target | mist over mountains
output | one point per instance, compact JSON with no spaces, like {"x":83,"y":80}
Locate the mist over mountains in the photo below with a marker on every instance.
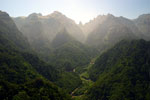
{"x":103,"y":30}
{"x":53,"y":58}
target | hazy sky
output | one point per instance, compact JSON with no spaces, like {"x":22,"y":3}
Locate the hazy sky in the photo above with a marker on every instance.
{"x":78,"y":10}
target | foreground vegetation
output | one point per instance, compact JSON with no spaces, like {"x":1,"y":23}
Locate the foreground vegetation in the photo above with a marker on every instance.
{"x":122,"y":73}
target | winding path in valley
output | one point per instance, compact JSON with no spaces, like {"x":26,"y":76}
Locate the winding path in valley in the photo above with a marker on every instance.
{"x":82,"y":78}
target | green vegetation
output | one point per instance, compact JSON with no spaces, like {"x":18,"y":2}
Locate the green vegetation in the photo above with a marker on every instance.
{"x":69,"y":81}
{"x":10,"y":36}
{"x":37,"y":89}
{"x":79,"y":92}
{"x":122,"y":73}
{"x":20,"y":68}
{"x":69,"y":53}
{"x":13,"y":68}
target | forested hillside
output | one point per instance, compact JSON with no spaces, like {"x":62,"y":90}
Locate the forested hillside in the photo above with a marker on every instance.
{"x":69,"y":53}
{"x":122,"y":72}
{"x":20,"y":65}
{"x":37,"y":89}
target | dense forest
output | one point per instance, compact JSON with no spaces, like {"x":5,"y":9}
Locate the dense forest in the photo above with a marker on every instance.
{"x":53,"y":58}
{"x":122,"y":73}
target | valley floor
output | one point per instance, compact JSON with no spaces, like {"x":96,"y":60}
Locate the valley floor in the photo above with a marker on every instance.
{"x":79,"y":92}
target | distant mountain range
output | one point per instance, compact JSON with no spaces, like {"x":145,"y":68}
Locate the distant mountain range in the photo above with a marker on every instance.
{"x":101,"y":32}
{"x":107,"y":30}
{"x":47,"y":26}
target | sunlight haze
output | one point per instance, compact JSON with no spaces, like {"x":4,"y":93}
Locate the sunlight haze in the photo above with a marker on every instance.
{"x":79,"y":10}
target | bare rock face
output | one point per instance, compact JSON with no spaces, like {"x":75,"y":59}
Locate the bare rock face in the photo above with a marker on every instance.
{"x":106,"y":30}
{"x":143,"y":24}
{"x":43,"y":29}
{"x":109,"y":31}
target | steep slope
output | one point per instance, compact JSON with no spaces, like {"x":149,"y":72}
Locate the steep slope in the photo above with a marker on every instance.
{"x":67,"y":23}
{"x":61,"y":38}
{"x":11,"y":42}
{"x":110,"y":31}
{"x":122,"y":73}
{"x":19,"y":65}
{"x":37,"y":89}
{"x":99,"y":20}
{"x":32,"y":28}
{"x":69,"y":53}
{"x":143,"y":24}
{"x":10,"y":36}
{"x":89,"y":27}
{"x":131,"y":25}
{"x":41,"y":30}
{"x":47,"y":26}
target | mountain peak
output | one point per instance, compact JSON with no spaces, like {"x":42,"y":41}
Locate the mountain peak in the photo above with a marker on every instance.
{"x":56,"y":14}
{"x":64,"y":34}
{"x":34,"y":15}
{"x":110,"y":16}
{"x":144,"y":16}
{"x":3,"y":15}
{"x":61,"y":38}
